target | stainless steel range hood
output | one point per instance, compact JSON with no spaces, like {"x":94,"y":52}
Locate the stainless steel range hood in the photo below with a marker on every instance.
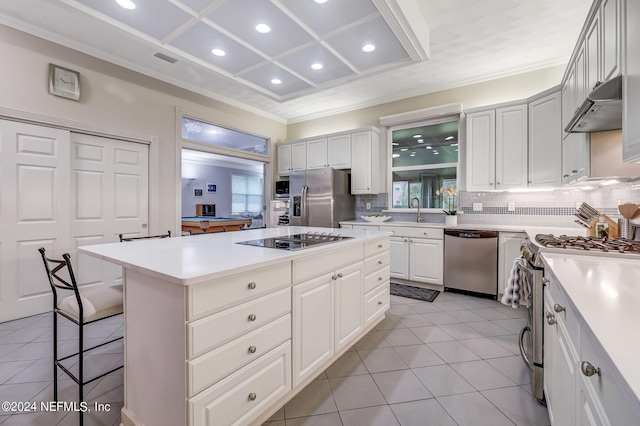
{"x":602,"y":110}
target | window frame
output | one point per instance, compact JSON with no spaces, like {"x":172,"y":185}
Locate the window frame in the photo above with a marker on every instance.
{"x":425,"y":121}
{"x":262,"y":195}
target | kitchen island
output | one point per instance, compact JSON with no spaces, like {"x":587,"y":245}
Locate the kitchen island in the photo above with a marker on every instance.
{"x":223,"y":333}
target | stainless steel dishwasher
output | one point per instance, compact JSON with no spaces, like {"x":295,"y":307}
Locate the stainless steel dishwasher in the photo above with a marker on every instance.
{"x":471,"y":261}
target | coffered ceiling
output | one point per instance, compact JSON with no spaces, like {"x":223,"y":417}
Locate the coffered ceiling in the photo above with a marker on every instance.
{"x":312,"y":61}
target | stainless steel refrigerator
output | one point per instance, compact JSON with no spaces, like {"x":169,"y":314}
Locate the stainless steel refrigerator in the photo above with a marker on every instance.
{"x":320,"y":197}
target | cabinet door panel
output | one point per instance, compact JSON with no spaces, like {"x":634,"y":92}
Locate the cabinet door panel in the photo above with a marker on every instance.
{"x":545,"y":142}
{"x":299,"y":156}
{"x":481,"y":148}
{"x":399,"y":257}
{"x":511,"y":147}
{"x":284,"y":159}
{"x":317,"y":153}
{"x":426,"y":260}
{"x":610,"y":39}
{"x":313,"y":325}
{"x":339,"y":152}
{"x":348,"y":305}
{"x":593,"y":52}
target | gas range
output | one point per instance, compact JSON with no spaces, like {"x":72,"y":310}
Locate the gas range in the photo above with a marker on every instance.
{"x":296,"y":241}
{"x":592,"y":245}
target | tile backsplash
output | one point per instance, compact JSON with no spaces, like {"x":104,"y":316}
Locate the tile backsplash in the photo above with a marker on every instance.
{"x":552,"y":208}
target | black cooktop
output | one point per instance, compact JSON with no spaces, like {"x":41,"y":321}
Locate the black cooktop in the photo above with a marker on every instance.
{"x":296,"y":241}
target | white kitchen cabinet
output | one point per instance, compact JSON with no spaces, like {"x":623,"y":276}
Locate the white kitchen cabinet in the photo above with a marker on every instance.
{"x":426,"y":263}
{"x":497,"y":149}
{"x":316,"y":153}
{"x":545,"y":142}
{"x":509,"y":244}
{"x":348,"y":289}
{"x":631,"y":82}
{"x":560,"y":360}
{"x":568,"y":94}
{"x":339,"y":151}
{"x":400,"y":257}
{"x":593,"y":52}
{"x":481,"y":149}
{"x":284,"y":159}
{"x":417,"y":254}
{"x":576,"y":157}
{"x":611,"y":36}
{"x":366,"y":171}
{"x":313,"y":326}
{"x":298,"y":156}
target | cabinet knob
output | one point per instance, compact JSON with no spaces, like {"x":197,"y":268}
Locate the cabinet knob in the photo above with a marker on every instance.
{"x":574,"y":171}
{"x":497,"y":183}
{"x":340,"y":275}
{"x":379,"y":245}
{"x":252,"y":396}
{"x":379,"y":302}
{"x":334,"y":277}
{"x":550,"y":318}
{"x":565,"y":176}
{"x":252,"y":349}
{"x":558,"y":308}
{"x":379,"y":262}
{"x":545,"y":280}
{"x":252,"y":317}
{"x":588,"y":369}
{"x":379,"y":278}
{"x":252,"y":285}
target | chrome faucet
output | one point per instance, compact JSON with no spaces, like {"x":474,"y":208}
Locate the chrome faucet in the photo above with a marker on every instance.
{"x":418,"y":219}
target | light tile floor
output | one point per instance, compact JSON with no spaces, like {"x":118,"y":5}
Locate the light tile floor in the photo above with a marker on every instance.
{"x":454,"y":361}
{"x":26,"y":357}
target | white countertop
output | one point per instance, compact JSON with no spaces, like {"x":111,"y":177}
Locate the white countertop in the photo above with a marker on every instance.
{"x":606,"y":292}
{"x":193,"y":259}
{"x":532,"y":231}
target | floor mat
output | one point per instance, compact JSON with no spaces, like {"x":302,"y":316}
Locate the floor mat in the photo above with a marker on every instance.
{"x":419,"y":293}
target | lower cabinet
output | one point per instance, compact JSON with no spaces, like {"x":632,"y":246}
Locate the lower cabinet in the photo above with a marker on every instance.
{"x":508,"y":250}
{"x":417,"y":254}
{"x":582,"y":385}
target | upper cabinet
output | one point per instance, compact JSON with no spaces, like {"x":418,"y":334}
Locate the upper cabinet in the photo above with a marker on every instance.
{"x":497,"y":149}
{"x":545,"y":142}
{"x":631,"y":83}
{"x":358,"y":150}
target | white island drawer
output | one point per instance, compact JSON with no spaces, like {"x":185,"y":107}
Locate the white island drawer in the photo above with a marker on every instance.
{"x":376,"y":302}
{"x":417,"y":232}
{"x":212,"y":331}
{"x":376,"y":262}
{"x":213,"y":366}
{"x":374,"y":247}
{"x":218,"y":294}
{"x":373,"y":280}
{"x":243,"y":396}
{"x":315,"y":265}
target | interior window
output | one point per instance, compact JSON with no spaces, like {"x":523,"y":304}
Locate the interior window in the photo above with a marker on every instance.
{"x":200,"y":131}
{"x":424,"y":159}
{"x":246,"y":195}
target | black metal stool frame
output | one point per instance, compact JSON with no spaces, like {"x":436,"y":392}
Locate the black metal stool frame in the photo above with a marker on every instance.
{"x":57,"y":363}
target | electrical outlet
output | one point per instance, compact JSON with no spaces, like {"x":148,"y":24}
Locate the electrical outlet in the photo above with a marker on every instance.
{"x":368,"y":206}
{"x":477,"y":207}
{"x":511,"y":207}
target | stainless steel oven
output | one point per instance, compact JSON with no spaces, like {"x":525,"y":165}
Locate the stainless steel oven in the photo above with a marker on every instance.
{"x":532,"y":334}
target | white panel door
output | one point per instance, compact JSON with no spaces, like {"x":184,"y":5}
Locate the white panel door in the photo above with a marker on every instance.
{"x":481,"y":150}
{"x":34,"y":212}
{"x":317,"y":153}
{"x":110,"y":185}
{"x":511,"y":147}
{"x":426,"y":260}
{"x":348,"y":304}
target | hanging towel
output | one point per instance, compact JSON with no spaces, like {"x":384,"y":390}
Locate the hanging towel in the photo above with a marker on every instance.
{"x":518,"y":291}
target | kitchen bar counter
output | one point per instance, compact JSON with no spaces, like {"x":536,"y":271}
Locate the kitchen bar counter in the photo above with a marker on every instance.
{"x":197,"y":258}
{"x":606,"y":294}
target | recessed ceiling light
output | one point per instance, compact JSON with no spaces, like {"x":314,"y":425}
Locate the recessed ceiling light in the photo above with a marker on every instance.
{"x":454,"y":144}
{"x":417,"y":136}
{"x":218,"y":52}
{"x":396,"y":155}
{"x":316,"y":66}
{"x":404,"y":149}
{"x":448,"y":138}
{"x":263,"y":28}
{"x":436,"y":153}
{"x":428,"y":147}
{"x":420,"y":140}
{"x":276,"y":81}
{"x":127,"y":4}
{"x":321,"y":1}
{"x":368,"y":48}
{"x":395,"y":144}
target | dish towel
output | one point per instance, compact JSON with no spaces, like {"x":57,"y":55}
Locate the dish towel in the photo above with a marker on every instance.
{"x":518,"y":291}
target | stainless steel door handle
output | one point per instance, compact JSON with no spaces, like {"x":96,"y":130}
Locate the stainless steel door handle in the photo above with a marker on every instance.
{"x":523,"y":354}
{"x":588,"y":369}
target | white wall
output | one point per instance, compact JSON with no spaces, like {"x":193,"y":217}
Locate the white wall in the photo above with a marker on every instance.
{"x":116,"y":99}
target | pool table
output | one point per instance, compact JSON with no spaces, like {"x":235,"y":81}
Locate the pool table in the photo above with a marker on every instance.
{"x":216,"y":224}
